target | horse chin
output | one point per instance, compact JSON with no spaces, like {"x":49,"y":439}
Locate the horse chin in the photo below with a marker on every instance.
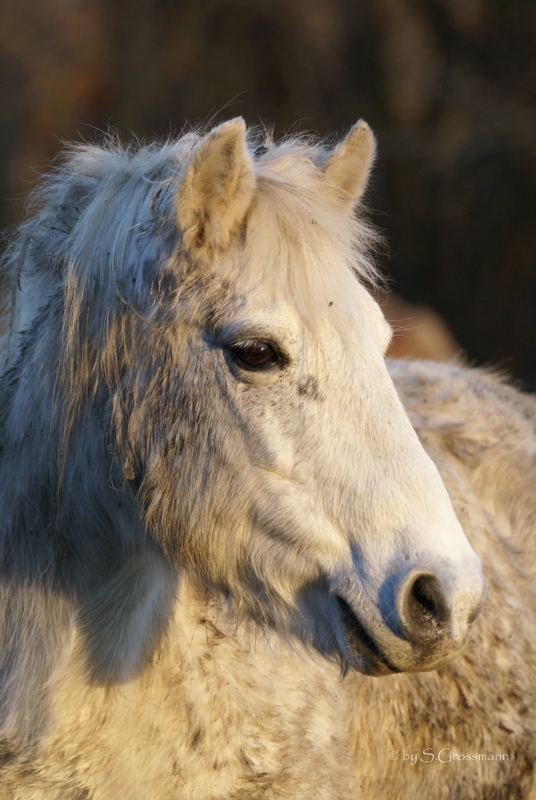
{"x":369,"y":665}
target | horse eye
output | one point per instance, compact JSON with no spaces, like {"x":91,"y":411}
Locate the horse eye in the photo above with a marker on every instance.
{"x":254,"y":354}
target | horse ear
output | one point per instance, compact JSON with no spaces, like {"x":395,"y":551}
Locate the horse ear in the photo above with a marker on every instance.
{"x":348,"y":167}
{"x":217,"y":189}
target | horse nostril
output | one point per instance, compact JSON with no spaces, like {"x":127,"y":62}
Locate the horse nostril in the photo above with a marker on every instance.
{"x":432,"y":608}
{"x":426,"y":608}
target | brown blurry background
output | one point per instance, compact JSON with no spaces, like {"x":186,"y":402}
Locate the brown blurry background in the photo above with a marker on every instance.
{"x":448,"y":86}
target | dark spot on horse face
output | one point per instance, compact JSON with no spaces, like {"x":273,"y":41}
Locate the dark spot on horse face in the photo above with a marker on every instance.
{"x":242,"y":233}
{"x":165,"y":284}
{"x":330,"y":303}
{"x":6,"y":753}
{"x":156,"y":197}
{"x":308,"y":388}
{"x":149,"y":271}
{"x":229,"y":160}
{"x":196,"y":738}
{"x":82,"y":794}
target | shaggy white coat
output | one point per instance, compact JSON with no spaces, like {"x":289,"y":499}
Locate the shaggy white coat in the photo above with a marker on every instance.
{"x":176,"y":529}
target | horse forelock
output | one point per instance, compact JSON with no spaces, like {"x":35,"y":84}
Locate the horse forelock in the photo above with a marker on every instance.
{"x":107,"y":213}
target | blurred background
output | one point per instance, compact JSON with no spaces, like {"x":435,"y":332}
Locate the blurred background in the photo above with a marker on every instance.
{"x":447,"y":85}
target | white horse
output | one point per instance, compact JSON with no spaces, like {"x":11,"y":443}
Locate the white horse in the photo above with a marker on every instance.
{"x":210,"y":489}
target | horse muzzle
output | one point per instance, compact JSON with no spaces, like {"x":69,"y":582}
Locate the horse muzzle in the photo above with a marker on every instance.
{"x":421,"y":620}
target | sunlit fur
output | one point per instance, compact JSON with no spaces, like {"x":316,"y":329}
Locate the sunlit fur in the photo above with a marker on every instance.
{"x":174,"y":530}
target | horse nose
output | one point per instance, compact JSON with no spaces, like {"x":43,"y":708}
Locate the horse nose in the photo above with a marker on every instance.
{"x":435,"y":607}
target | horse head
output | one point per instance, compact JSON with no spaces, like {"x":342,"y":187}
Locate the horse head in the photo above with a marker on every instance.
{"x":198,"y":338}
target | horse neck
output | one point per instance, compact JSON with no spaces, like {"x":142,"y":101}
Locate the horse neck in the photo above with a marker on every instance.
{"x":74,"y":565}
